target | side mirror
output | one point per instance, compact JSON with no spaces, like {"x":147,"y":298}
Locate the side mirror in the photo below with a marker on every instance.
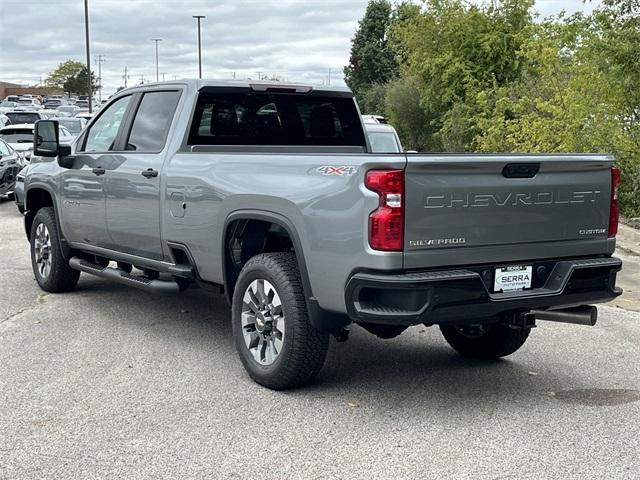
{"x":46,"y":142}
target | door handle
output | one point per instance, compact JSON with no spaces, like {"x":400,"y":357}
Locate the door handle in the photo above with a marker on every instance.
{"x":149,"y":173}
{"x":99,"y":171}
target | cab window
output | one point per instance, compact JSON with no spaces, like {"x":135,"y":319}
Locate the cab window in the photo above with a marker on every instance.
{"x":102,"y":135}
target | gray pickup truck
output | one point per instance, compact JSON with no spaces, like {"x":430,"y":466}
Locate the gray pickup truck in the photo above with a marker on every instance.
{"x":270,"y":193}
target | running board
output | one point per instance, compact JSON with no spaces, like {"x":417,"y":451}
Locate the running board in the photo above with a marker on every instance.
{"x":120,"y":276}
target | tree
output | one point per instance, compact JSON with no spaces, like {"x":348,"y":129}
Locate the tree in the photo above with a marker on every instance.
{"x":372,"y":100}
{"x":484,"y":76}
{"x":456,"y":49}
{"x":406,"y":114}
{"x":372,"y":60}
{"x":71,"y":76}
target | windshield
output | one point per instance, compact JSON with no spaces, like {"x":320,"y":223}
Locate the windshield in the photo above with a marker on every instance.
{"x":25,"y":101}
{"x":23,"y":117}
{"x":4,"y":148}
{"x":383,"y":142}
{"x":67,"y":108}
{"x":17,"y":136}
{"x":8,"y":104}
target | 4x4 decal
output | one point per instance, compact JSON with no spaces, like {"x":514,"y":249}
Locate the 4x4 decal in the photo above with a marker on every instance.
{"x":340,"y":170}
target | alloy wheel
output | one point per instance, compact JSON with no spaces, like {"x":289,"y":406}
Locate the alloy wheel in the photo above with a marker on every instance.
{"x":42,"y":249}
{"x":263,"y":322}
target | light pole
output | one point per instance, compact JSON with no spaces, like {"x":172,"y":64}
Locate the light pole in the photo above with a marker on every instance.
{"x":157,"y":74}
{"x":86,"y":31}
{"x":199,"y":17}
{"x":100,"y":60}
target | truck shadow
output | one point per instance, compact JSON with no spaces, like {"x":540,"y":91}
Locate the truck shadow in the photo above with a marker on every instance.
{"x":416,"y":369}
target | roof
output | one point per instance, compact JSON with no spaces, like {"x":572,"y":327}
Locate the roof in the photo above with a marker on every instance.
{"x":198,"y":84}
{"x":19,"y":126}
{"x":379,"y":127}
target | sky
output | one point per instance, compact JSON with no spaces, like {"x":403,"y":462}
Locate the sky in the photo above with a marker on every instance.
{"x":294,"y":40}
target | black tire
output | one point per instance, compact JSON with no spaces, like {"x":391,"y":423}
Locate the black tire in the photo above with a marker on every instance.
{"x":61,"y":277}
{"x":21,"y":209}
{"x":11,"y":196}
{"x":304,"y":348}
{"x":495,"y":341}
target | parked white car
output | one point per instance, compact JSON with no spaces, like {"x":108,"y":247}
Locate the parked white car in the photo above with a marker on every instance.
{"x":20,"y":138}
{"x":19,"y":117}
{"x":74,"y":125}
{"x":7,"y":106}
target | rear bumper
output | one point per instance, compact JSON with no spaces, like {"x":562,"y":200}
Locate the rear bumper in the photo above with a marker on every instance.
{"x":463,"y":294}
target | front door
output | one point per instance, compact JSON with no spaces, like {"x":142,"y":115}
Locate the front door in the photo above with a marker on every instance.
{"x":83,"y":186}
{"x":133,"y":188}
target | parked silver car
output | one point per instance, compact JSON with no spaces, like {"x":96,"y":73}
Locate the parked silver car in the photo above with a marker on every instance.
{"x":383,"y":138}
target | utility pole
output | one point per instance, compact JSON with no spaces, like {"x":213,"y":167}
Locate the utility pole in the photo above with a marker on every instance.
{"x":199,"y":17}
{"x":100,"y":60}
{"x":126,"y":77}
{"x":142,"y":79}
{"x":86,"y":31}
{"x":163,"y":74}
{"x":329,"y":77}
{"x":157,"y":74}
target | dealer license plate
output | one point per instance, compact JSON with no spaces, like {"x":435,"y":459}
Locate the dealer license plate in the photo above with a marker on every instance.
{"x":512,"y":278}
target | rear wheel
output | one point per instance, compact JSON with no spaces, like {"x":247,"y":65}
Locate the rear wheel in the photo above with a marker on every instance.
{"x":277,"y":345}
{"x":485,"y":341}
{"x":50,"y":268}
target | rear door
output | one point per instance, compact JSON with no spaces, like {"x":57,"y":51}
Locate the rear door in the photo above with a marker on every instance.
{"x":133,"y":186}
{"x":471,"y":209}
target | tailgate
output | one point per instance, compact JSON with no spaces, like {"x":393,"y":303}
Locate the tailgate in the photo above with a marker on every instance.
{"x":465,"y":209}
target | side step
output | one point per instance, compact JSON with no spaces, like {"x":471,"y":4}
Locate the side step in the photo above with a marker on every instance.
{"x":120,"y":276}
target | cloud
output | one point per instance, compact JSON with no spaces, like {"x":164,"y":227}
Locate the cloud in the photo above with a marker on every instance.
{"x":297,"y":40}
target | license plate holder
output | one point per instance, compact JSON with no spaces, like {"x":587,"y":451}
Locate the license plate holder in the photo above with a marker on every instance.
{"x":512,"y":278}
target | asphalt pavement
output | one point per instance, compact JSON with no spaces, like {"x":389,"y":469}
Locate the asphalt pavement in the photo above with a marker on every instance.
{"x":113,"y":383}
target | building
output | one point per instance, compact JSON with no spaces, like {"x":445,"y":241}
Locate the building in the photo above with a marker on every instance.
{"x":7,"y":88}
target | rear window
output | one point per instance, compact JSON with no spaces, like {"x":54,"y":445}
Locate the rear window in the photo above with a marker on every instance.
{"x":11,"y":135}
{"x":22,"y":117}
{"x":383,"y":142}
{"x":73,"y":126}
{"x":275,"y":119}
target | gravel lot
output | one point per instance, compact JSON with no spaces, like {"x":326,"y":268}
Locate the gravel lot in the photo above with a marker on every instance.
{"x":109,"y":382}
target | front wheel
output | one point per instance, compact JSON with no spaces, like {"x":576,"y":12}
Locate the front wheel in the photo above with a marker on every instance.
{"x":485,"y":341}
{"x":50,"y":268}
{"x":277,"y":345}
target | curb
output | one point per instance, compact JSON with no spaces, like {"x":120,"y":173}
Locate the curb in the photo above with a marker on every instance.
{"x":629,"y":238}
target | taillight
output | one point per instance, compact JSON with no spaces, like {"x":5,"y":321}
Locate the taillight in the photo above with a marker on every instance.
{"x":614,"y":212}
{"x":386,"y":223}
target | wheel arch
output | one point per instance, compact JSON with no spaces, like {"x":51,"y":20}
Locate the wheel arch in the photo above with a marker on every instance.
{"x":320,"y":318}
{"x":36,"y":197}
{"x":270,"y":217}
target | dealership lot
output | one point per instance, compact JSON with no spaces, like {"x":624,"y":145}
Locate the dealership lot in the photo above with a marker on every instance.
{"x":108,"y":382}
